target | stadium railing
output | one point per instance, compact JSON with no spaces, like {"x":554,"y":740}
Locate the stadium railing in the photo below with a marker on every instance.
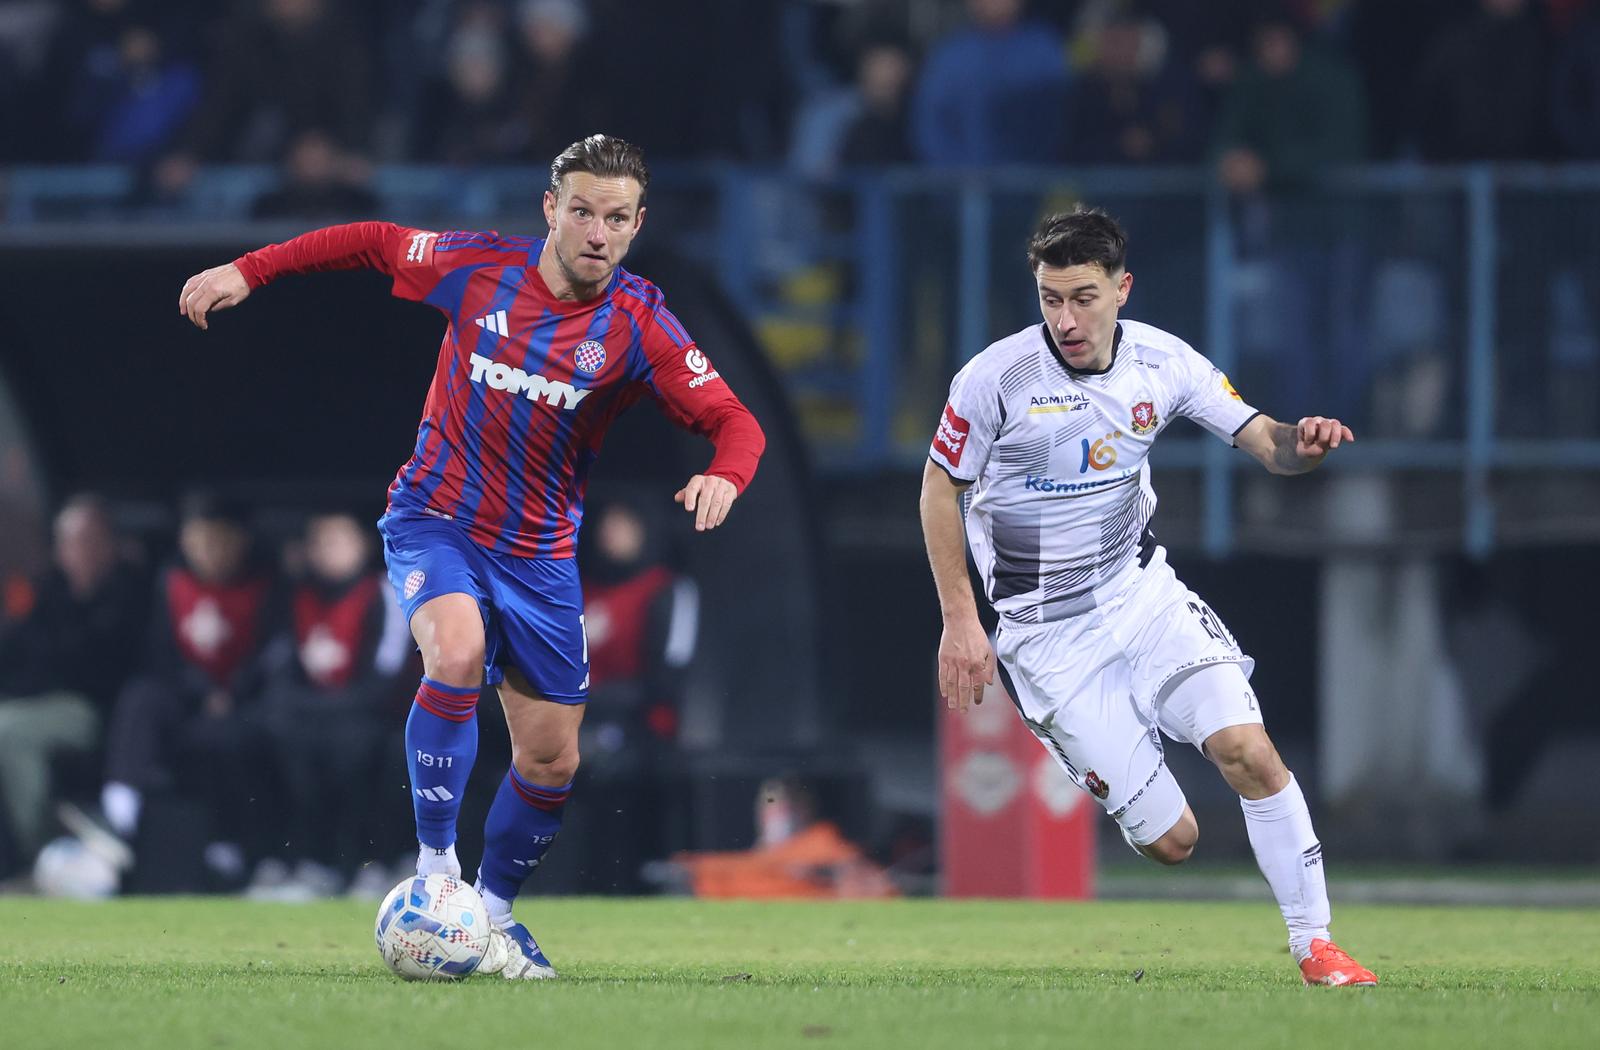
{"x":1449,"y":313}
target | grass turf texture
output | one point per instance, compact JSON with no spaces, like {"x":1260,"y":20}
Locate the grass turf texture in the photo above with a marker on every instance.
{"x":678,"y":973}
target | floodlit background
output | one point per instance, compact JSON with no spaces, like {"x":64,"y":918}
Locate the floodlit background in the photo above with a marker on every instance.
{"x":1386,"y":212}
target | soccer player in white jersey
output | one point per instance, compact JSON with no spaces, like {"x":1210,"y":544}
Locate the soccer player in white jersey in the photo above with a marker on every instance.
{"x":1102,"y":648}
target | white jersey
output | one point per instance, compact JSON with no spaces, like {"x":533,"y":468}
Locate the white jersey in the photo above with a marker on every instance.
{"x":1061,"y":500}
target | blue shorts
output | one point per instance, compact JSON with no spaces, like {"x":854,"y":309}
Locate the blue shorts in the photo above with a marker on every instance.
{"x":532,"y":607}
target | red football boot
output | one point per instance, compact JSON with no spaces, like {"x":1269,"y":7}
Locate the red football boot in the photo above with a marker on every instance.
{"x":1331,"y":965}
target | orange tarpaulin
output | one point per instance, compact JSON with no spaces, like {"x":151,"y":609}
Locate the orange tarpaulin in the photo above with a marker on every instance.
{"x":816,"y":862}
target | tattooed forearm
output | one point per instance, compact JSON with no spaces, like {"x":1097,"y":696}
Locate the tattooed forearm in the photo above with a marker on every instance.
{"x":1288,"y":461}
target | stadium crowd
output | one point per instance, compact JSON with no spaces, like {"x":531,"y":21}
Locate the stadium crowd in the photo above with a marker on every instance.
{"x":1265,"y":89}
{"x":224,"y":717}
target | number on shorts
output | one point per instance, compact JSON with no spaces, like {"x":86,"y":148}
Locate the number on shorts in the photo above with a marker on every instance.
{"x":1213,"y":625}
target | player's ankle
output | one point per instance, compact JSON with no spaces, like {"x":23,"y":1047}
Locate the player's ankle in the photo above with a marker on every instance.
{"x":434,"y":861}
{"x":1300,"y":942}
{"x":498,"y":907}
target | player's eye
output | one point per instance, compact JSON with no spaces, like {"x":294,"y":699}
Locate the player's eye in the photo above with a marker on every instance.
{"x":1084,"y":302}
{"x":582,"y":213}
{"x":618,"y":220}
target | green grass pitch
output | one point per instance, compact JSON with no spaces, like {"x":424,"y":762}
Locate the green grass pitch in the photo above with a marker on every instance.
{"x":219,"y":973}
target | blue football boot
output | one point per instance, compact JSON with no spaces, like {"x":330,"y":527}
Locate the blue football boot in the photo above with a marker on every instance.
{"x":515,"y":955}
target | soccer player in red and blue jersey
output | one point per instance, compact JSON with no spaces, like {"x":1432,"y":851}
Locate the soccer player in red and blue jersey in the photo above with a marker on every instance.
{"x":548,"y":341}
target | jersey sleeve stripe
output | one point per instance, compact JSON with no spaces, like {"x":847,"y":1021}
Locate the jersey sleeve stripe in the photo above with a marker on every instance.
{"x":670,"y":323}
{"x":456,"y":239}
{"x":953,"y":475}
{"x":1246,"y":423}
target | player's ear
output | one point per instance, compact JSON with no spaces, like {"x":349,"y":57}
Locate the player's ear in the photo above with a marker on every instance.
{"x":1124,"y":286}
{"x":550,"y":209}
{"x":638,"y":220}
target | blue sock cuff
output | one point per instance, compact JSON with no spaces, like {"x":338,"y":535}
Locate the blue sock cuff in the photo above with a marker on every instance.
{"x":539,"y":789}
{"x":451,"y":690}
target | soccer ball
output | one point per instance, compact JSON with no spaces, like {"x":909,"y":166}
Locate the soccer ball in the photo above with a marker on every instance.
{"x":433,"y":928}
{"x":68,"y":867}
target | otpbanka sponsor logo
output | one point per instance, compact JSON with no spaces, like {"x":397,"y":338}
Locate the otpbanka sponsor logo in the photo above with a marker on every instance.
{"x":533,"y":386}
{"x":697,"y":363}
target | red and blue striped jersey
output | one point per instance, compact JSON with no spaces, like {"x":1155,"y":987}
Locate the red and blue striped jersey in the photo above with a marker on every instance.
{"x":526,"y":383}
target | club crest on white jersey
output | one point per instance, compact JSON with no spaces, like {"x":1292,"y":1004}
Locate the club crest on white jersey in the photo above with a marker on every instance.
{"x":1061,"y":497}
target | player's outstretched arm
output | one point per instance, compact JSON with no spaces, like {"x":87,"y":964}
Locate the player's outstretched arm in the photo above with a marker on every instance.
{"x":966,"y":660}
{"x":218,"y":288}
{"x":709,"y":498}
{"x":1285,"y":448}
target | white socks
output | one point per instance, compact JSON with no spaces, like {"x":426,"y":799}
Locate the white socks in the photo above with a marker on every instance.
{"x":1289,"y":855}
{"x":498,"y":907}
{"x":121,"y":804}
{"x":432,"y":861}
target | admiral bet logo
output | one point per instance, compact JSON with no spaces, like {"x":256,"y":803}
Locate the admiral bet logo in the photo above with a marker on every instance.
{"x":533,"y":386}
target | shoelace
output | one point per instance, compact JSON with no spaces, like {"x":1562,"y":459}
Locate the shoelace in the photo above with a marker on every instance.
{"x":1332,"y":953}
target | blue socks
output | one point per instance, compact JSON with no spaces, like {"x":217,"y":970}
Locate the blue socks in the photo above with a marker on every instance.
{"x":441,"y":743}
{"x":523,"y":821}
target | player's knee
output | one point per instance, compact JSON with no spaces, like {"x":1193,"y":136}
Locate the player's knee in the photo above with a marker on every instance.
{"x":548,"y":770}
{"x":1177,"y":845}
{"x":456,"y":661}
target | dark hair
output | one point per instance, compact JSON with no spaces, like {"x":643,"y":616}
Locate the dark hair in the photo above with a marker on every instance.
{"x":1078,"y":238}
{"x":601,"y":155}
{"x":211,"y":505}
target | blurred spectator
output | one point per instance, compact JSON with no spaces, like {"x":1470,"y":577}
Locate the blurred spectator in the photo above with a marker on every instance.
{"x":985,"y":91}
{"x":641,"y":620}
{"x":131,"y":97}
{"x":330,"y":707}
{"x":1576,"y":92}
{"x":865,"y":123}
{"x":556,"y":101}
{"x":1482,"y":91}
{"x":1290,"y":114}
{"x":185,"y":723}
{"x":61,"y":665}
{"x":465,"y":114}
{"x":1133,"y":107}
{"x":796,"y":855}
{"x":1385,"y":40}
{"x":42,"y":45}
{"x":318,"y":183}
{"x":879,"y":132}
{"x":282,"y":68}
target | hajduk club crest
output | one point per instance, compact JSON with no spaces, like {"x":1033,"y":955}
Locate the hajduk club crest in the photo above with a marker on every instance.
{"x":1144,"y":417}
{"x":589,"y":357}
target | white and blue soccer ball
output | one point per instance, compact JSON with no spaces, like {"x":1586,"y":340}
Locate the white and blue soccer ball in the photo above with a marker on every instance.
{"x":70,"y":867}
{"x":433,"y":928}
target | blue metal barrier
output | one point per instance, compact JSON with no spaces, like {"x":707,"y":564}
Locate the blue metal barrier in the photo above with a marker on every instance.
{"x":887,"y":241}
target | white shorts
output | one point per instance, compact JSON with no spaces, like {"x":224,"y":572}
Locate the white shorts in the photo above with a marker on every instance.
{"x":1098,"y":690}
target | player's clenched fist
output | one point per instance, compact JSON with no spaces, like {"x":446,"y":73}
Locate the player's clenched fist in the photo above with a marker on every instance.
{"x":1315,"y":435}
{"x":709,"y":497}
{"x":215,"y":289}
